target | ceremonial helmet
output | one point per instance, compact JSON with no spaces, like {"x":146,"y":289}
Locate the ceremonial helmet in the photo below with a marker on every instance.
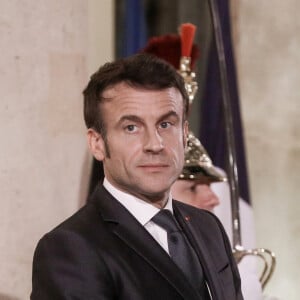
{"x":198,"y":165}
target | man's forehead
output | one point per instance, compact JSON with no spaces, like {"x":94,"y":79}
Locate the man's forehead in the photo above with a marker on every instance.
{"x":122,"y":89}
{"x":123,"y":99}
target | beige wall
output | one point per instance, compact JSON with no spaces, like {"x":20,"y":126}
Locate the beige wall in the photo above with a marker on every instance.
{"x":269,"y":67}
{"x":48,"y":49}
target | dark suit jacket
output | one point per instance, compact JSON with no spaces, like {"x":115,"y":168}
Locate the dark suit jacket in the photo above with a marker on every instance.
{"x":102,"y":252}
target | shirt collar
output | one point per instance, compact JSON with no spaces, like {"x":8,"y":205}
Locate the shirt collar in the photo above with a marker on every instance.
{"x":141,"y":210}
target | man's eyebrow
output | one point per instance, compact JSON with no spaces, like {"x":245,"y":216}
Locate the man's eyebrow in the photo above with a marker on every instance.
{"x":137,"y":119}
{"x":132,"y":118}
{"x":169,"y":114}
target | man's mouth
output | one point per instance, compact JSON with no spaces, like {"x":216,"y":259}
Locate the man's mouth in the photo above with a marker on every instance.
{"x":154,"y":167}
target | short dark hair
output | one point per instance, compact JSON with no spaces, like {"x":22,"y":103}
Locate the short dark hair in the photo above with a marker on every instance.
{"x":140,"y":70}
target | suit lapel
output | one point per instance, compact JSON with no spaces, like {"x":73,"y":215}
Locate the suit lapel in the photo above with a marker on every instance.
{"x":199,"y":244}
{"x":130,"y":231}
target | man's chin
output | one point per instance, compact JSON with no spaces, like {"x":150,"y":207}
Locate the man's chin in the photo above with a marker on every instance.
{"x":155,"y":195}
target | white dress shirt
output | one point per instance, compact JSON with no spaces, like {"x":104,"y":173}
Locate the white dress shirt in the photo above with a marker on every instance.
{"x":143,"y":212}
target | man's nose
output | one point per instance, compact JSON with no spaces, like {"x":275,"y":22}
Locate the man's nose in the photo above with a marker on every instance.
{"x":214,"y":198}
{"x":153,"y":141}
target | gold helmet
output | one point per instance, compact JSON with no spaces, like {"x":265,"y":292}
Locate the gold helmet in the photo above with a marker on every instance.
{"x":198,"y":165}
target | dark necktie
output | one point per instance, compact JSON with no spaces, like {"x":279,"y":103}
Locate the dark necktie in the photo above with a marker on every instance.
{"x":180,"y":249}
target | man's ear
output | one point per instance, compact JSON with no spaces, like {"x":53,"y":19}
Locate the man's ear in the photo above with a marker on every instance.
{"x":96,"y":144}
{"x":185,"y":132}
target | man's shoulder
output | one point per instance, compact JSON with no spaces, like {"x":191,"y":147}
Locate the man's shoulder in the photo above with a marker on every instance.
{"x":79,"y":225}
{"x":84,"y":218}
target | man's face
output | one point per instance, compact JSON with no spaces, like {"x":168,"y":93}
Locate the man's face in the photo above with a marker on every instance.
{"x":145,"y":139}
{"x":195,"y":193}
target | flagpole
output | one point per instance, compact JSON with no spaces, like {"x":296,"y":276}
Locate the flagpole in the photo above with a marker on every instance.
{"x":268,"y":257}
{"x":228,"y":118}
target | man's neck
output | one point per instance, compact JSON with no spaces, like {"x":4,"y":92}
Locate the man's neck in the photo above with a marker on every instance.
{"x":159,"y":200}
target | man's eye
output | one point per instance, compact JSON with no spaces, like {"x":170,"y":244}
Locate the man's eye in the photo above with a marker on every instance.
{"x":193,"y":188}
{"x":165,"y":124}
{"x":131,"y":128}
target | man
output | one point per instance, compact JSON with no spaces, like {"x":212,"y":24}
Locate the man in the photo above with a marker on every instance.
{"x":114,"y":247}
